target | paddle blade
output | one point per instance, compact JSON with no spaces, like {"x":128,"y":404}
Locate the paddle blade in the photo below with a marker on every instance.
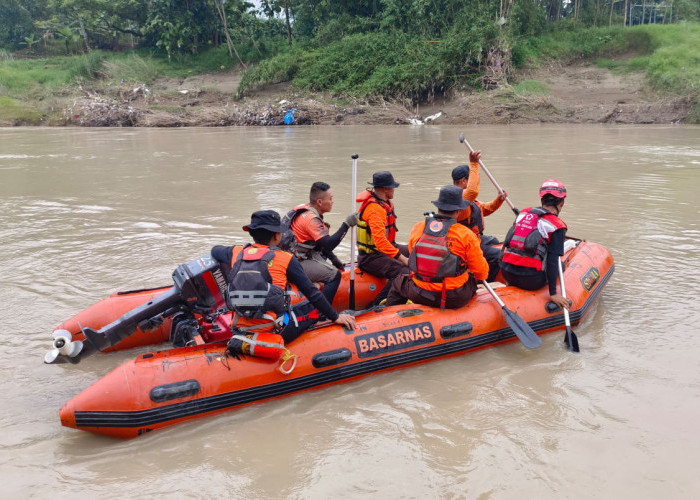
{"x":571,"y":340}
{"x":351,"y":304}
{"x":524,"y":332}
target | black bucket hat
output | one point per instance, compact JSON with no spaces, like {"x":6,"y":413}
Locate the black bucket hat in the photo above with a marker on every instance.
{"x":383,"y":179}
{"x":450,"y":199}
{"x":265,"y":219}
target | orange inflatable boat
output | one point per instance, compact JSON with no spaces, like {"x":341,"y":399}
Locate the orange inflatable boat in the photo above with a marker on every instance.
{"x":163,"y":388}
{"x":194,"y":306}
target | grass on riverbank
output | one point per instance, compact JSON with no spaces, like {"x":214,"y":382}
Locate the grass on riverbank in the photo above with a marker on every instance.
{"x":365,"y":64}
{"x":41,"y":77}
{"x":34,"y":87}
{"x":16,"y":112}
{"x":397,"y":66}
{"x":669,"y":55}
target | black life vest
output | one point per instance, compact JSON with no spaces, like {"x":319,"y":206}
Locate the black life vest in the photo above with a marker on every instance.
{"x":289,"y":242}
{"x":475,"y":221}
{"x":251,"y":293}
{"x":431,"y":260}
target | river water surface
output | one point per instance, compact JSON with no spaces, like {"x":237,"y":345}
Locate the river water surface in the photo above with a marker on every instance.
{"x":87,"y":212}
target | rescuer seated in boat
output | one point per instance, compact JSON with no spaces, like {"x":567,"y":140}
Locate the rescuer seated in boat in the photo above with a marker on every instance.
{"x":310,"y":241}
{"x":445,"y":260}
{"x":535,"y":242}
{"x":378,"y":252}
{"x":467,"y":178}
{"x":258,"y":283}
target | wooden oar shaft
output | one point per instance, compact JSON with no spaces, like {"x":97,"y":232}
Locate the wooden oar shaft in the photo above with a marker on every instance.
{"x":491,"y":177}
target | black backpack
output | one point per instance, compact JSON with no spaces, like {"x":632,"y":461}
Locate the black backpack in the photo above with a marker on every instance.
{"x":251,"y":293}
{"x":289,"y":239}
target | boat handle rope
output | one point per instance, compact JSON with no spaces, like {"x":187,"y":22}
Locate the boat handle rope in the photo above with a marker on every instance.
{"x":286,"y":357}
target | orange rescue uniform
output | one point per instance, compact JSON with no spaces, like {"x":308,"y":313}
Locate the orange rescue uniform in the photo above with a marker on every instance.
{"x":381,"y":228}
{"x":471,"y":193}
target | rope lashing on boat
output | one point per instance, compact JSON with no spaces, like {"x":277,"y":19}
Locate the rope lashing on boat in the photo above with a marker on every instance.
{"x":286,"y":357}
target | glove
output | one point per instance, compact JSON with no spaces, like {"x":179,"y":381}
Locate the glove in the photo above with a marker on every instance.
{"x":337,"y":262}
{"x":352,"y":219}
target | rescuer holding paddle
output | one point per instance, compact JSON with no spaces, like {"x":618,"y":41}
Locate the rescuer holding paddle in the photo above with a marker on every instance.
{"x":311,"y":241}
{"x":445,"y":259}
{"x":534,"y":244}
{"x":378,"y":252}
{"x":467,"y":178}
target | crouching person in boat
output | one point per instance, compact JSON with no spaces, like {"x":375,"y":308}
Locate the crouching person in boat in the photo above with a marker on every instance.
{"x":445,"y":260}
{"x":378,"y":252}
{"x":535,"y":242}
{"x":258,"y":284}
{"x":467,"y":178}
{"x":309,"y":240}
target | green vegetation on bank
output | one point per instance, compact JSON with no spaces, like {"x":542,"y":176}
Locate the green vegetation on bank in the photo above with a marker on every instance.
{"x":45,"y":76}
{"x":393,"y":49}
{"x":668,"y":54}
{"x":379,"y":64}
{"x":15,"y":111}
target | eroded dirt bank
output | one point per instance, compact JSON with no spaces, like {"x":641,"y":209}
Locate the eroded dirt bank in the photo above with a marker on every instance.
{"x":578,"y":93}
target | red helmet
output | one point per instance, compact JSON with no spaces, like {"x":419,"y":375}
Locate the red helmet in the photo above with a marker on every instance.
{"x":553,"y":187}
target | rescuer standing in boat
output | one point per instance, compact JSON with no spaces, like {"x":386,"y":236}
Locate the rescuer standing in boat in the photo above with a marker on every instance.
{"x":445,"y":260}
{"x":378,"y":252}
{"x":467,"y":178}
{"x":534,"y":244}
{"x":258,"y":281}
{"x":311,"y":241}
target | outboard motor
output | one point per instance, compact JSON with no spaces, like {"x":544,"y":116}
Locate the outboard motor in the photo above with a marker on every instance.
{"x":200,"y":287}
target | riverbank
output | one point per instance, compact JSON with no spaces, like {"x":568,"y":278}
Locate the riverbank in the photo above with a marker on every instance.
{"x":579,"y":92}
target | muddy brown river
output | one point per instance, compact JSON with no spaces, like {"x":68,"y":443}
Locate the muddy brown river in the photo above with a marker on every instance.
{"x":87,"y":212}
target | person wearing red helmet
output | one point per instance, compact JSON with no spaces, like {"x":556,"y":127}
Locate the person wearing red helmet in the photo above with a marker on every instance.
{"x":535,"y":242}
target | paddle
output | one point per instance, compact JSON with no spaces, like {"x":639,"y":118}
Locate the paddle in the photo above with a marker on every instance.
{"x":570,"y":338}
{"x":524,"y":332}
{"x":353,"y":233}
{"x":488,"y":174}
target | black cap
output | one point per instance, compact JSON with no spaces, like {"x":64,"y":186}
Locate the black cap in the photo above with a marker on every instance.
{"x":450,"y":199}
{"x":461,"y":172}
{"x":265,"y":219}
{"x":383,"y":179}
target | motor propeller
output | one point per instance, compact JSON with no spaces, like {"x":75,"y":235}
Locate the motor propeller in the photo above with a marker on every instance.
{"x":63,"y":345}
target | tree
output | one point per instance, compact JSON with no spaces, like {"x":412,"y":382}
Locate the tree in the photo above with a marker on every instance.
{"x":15,"y":22}
{"x":219,"y":5}
{"x":177,"y":25}
{"x":273,"y":7}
